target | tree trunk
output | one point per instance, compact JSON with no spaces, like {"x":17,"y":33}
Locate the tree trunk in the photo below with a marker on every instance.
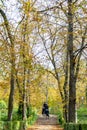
{"x":66,"y":93}
{"x":72,"y":89}
{"x":86,"y":84}
{"x":24,"y":98}
{"x":28,"y":93}
{"x":24,"y":75}
{"x":11,"y":97}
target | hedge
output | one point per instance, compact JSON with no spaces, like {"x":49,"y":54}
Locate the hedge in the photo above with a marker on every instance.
{"x":72,"y":126}
{"x":9,"y":125}
{"x":14,"y":125}
{"x":18,"y":125}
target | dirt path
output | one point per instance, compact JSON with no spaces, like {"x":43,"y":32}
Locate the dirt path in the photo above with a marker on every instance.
{"x":46,"y":124}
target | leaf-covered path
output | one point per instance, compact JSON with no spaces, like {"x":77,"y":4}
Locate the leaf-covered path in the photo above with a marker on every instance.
{"x":46,"y":124}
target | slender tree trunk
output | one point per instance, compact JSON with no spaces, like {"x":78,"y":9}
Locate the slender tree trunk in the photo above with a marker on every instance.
{"x":46,"y":94}
{"x":86,"y":82}
{"x":12,"y":84}
{"x":24,"y":97}
{"x":24,"y":112}
{"x":28,"y":93}
{"x":72,"y":89}
{"x":66,"y":94}
{"x":11,"y":97}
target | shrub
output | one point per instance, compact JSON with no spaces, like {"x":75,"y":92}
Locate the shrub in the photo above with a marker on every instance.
{"x":16,"y":115}
{"x":83,"y":126}
{"x":77,"y":126}
{"x":60,"y":118}
{"x":3,"y":110}
{"x":69,"y":126}
{"x":72,"y":126}
{"x":3,"y":105}
{"x":82,"y":114}
{"x":7,"y":125}
{"x":15,"y":125}
{"x":32,"y":119}
{"x":1,"y":125}
{"x":23,"y":124}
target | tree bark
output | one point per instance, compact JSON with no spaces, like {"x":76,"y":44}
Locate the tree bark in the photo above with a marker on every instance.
{"x":66,"y":94}
{"x":24,"y":98}
{"x":72,"y":86}
{"x":24,"y":75}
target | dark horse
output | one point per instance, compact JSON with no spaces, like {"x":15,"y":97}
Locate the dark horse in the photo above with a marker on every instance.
{"x":45,"y":110}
